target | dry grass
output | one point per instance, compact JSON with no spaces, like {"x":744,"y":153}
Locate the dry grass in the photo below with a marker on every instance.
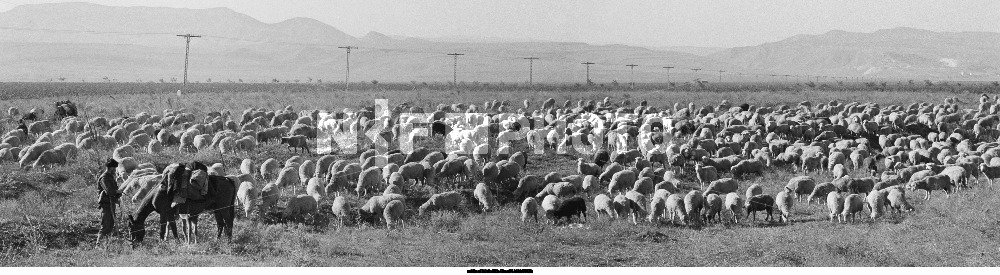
{"x":50,"y":219}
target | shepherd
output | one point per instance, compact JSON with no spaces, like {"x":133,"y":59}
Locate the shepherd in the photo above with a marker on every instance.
{"x":108,"y":194}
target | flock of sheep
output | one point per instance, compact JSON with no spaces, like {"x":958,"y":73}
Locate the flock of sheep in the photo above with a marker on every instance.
{"x":630,"y":157}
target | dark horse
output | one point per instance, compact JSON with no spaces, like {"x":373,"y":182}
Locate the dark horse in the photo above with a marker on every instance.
{"x":219,"y":200}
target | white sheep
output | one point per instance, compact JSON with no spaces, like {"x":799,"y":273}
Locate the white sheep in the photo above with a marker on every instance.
{"x":549,"y":204}
{"x":820,"y":191}
{"x":784,"y":202}
{"x":451,"y":200}
{"x":735,"y":205}
{"x":485,"y":197}
{"x":876,"y":203}
{"x":657,"y":207}
{"x":693,"y":203}
{"x":603,"y":204}
{"x":216,"y":170}
{"x":300,"y":205}
{"x":269,"y":168}
{"x":393,"y":213}
{"x":341,"y":209}
{"x":529,"y":209}
{"x":713,"y":208}
{"x":368,"y":179}
{"x":897,"y":200}
{"x":269,"y":196}
{"x":316,"y":188}
{"x":247,"y":167}
{"x":705,"y":174}
{"x":723,"y":186}
{"x":853,"y":204}
{"x":306,"y":170}
{"x":288,"y":176}
{"x":835,"y":202}
{"x":675,"y":207}
{"x":247,"y":197}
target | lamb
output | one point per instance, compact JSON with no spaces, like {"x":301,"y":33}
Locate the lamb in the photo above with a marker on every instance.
{"x":712,"y":208}
{"x":762,"y":202}
{"x":341,"y":209}
{"x":300,"y":205}
{"x":801,"y":185}
{"x":451,"y":200}
{"x":754,"y":189}
{"x":835,"y":202}
{"x":529,"y":209}
{"x":705,"y":174}
{"x":603,"y":204}
{"x":569,"y":208}
{"x":393,"y":213}
{"x":247,"y":197}
{"x":735,"y":205}
{"x":693,"y":202}
{"x":785,"y":203}
{"x":675,"y":207}
{"x":897,"y":200}
{"x":296,"y":142}
{"x":657,"y":206}
{"x":368,"y":179}
{"x":936,"y":182}
{"x":853,"y":204}
{"x":584,"y":168}
{"x":485,"y":197}
{"x":723,"y":186}
{"x":876,"y":204}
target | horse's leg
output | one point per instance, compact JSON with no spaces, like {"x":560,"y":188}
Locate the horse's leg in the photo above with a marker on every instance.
{"x":163,"y":228}
{"x":194,"y":228}
{"x":220,"y":224}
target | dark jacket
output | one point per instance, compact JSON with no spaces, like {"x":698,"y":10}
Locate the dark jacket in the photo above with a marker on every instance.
{"x":107,"y":188}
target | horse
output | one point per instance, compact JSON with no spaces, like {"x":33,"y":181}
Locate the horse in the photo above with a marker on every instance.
{"x":65,"y":109}
{"x":220,"y":200}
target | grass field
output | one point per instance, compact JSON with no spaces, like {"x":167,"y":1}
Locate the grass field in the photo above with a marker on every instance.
{"x":50,"y":219}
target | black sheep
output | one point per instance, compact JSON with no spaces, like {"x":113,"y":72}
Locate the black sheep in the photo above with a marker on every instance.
{"x":762,"y":202}
{"x":575,"y":206}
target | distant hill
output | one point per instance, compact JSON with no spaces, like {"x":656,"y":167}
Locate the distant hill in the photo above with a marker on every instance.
{"x":899,"y":52}
{"x":130,"y":43}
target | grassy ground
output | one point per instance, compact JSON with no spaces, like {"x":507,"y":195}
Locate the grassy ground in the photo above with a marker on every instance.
{"x":50,"y":219}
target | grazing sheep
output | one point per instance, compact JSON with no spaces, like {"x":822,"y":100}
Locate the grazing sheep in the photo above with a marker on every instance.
{"x":705,"y":174}
{"x":368,"y":179}
{"x":300,"y":205}
{"x":762,"y":202}
{"x":853,"y":204}
{"x":590,"y":184}
{"x":897,"y":200}
{"x":451,"y":200}
{"x":269,"y":196}
{"x":657,"y":207}
{"x":413,"y":170}
{"x":268,"y":169}
{"x":839,"y":171}
{"x":549,"y":204}
{"x":377,"y":204}
{"x":820,"y":191}
{"x":958,"y":176}
{"x":28,"y":155}
{"x":835,"y":202}
{"x":712,"y":208}
{"x":693,"y":203}
{"x":876,"y":204}
{"x":50,"y":158}
{"x":930,"y":183}
{"x":306,"y":170}
{"x":603,"y":204}
{"x":316,"y":188}
{"x":246,"y":166}
{"x":735,"y":205}
{"x":296,"y":142}
{"x":485,"y":197}
{"x":247,"y":197}
{"x":785,"y":203}
{"x":675,"y":208}
{"x":572,"y":207}
{"x":393,"y":213}
{"x":801,"y":185}
{"x":644,"y":185}
{"x":748,"y":166}
{"x":529,"y":209}
{"x":216,"y":170}
{"x":723,"y":186}
{"x":990,"y":172}
{"x":622,"y":181}
{"x":341,"y":209}
{"x":288,"y":176}
{"x":527,"y":185}
{"x":584,"y":168}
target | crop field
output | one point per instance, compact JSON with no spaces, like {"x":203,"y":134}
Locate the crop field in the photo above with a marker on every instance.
{"x":50,"y":218}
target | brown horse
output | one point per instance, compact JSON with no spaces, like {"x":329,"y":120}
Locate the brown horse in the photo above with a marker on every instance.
{"x":219,"y":200}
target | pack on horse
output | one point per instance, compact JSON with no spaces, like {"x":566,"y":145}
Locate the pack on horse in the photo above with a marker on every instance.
{"x":219,"y":199}
{"x":65,"y":109}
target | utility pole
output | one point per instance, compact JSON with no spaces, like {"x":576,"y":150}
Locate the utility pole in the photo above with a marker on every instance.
{"x":531,"y":70}
{"x":187,"y":51}
{"x":454,"y":76}
{"x":588,"y":71}
{"x":720,"y":75}
{"x":696,"y":70}
{"x":632,"y":77}
{"x":668,"y":72}
{"x":347,"y":75}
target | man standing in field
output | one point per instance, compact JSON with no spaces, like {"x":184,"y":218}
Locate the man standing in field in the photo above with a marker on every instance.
{"x":107,"y":193}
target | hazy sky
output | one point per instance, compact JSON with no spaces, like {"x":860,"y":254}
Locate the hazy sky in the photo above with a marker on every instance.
{"x":715,"y":23}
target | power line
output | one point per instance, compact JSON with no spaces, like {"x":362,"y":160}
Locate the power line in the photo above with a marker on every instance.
{"x":668,"y":72}
{"x":632,"y":77}
{"x":347,"y":74}
{"x":531,"y":78}
{"x":187,"y":51}
{"x":588,"y":71}
{"x":454,"y":76}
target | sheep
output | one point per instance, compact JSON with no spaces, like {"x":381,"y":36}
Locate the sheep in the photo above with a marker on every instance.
{"x":306,"y":170}
{"x":216,"y":170}
{"x":28,"y":155}
{"x":990,"y":172}
{"x":675,"y":207}
{"x":584,"y":168}
{"x":753,"y":190}
{"x":734,"y":204}
{"x":657,"y":208}
{"x":154,"y":147}
{"x":269,"y":196}
{"x":821,"y":190}
{"x":413,"y":170}
{"x":569,"y":208}
{"x":784,"y":202}
{"x":666,"y":185}
{"x":723,"y":186}
{"x":315,"y":188}
{"x":268,"y":168}
{"x":485,"y":197}
{"x":876,"y":204}
{"x":897,"y":200}
{"x":712,"y":208}
{"x":839,"y":171}
{"x":377,"y":204}
{"x":957,"y":175}
{"x":451,"y":200}
{"x":603,"y":204}
{"x":246,"y":166}
{"x":549,"y":204}
{"x":323,"y":165}
{"x":622,"y":181}
{"x":590,"y":184}
{"x":49,"y":158}
{"x":393,"y":213}
{"x":801,"y":185}
{"x":527,"y":185}
{"x":296,"y":142}
{"x":368,"y":179}
{"x":853,"y":204}
{"x":835,"y":202}
{"x":693,"y":203}
{"x":341,"y":209}
{"x":705,"y":174}
{"x":247,"y":197}
{"x":747,"y":166}
{"x":762,"y":202}
{"x":643,"y":185}
{"x":300,"y":205}
{"x":930,"y":183}
{"x":288,"y":176}
{"x":529,"y":209}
